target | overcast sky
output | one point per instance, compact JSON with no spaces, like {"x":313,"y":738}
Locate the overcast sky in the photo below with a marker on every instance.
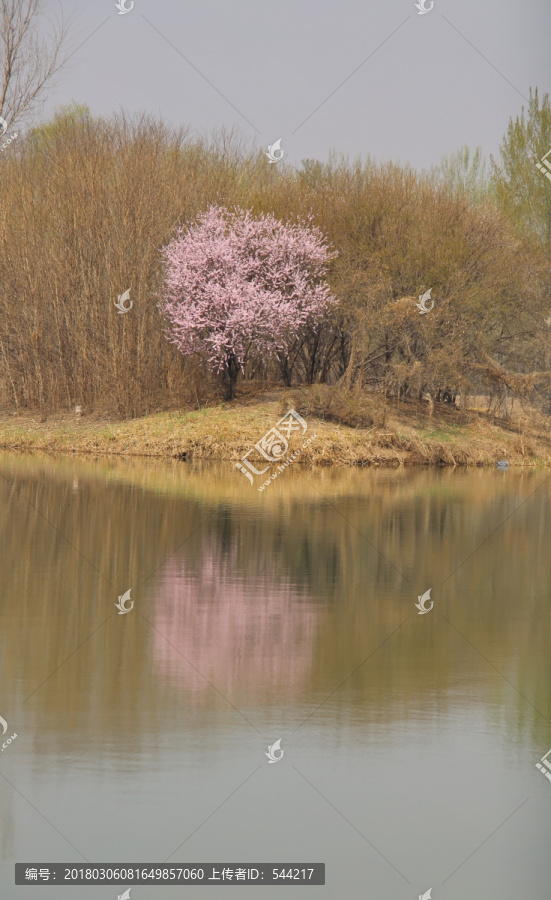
{"x":355,"y":76}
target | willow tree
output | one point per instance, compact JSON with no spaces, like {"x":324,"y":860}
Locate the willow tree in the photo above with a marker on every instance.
{"x":522,"y":189}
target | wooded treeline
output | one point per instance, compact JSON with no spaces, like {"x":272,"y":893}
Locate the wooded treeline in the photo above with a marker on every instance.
{"x":88,"y":203}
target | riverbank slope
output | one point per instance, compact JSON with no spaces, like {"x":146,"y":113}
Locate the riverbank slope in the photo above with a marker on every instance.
{"x":362,"y":432}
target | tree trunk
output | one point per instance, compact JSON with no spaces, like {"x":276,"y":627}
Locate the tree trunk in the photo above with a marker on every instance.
{"x":506,"y":403}
{"x":229,"y":376}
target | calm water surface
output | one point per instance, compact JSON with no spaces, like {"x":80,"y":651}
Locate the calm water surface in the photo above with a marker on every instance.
{"x":410,"y":741}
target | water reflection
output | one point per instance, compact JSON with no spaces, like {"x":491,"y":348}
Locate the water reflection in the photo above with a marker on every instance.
{"x":297,"y":607}
{"x":250,"y":636}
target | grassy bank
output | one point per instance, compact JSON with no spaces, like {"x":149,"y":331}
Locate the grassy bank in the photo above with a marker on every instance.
{"x":377,"y":433}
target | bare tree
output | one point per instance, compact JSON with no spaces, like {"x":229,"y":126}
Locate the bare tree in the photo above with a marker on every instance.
{"x":28,"y":60}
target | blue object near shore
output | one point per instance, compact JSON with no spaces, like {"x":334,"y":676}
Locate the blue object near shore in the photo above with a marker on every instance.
{"x":503,"y":464}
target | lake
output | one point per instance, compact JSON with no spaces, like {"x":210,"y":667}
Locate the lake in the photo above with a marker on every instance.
{"x":410,"y":739}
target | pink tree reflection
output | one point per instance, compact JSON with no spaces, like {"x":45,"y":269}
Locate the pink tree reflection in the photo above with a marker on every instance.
{"x":249,"y":636}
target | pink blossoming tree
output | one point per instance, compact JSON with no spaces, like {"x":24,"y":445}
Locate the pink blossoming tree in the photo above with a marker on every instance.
{"x":236,"y":284}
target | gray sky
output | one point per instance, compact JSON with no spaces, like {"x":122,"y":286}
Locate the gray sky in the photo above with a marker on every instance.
{"x":424,"y":85}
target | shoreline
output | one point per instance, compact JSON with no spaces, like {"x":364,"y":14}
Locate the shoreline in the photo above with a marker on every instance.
{"x":406,"y":436}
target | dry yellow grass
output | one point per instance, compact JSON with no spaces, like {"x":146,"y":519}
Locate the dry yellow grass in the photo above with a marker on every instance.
{"x":403,"y":435}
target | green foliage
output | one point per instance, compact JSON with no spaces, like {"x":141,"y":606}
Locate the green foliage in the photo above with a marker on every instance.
{"x":464,"y":173}
{"x":522,"y":191}
{"x":71,"y":115}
